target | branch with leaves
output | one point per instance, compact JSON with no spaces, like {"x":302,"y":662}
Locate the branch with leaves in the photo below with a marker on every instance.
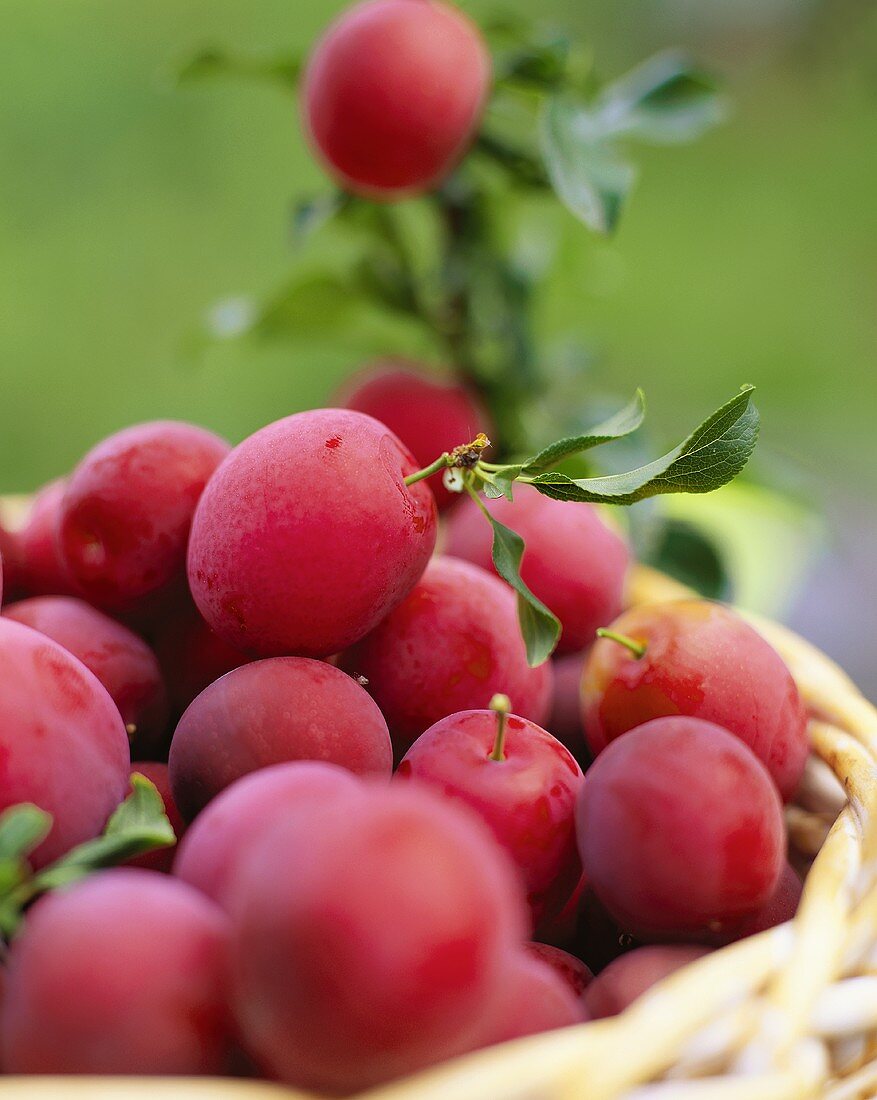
{"x":441,"y":266}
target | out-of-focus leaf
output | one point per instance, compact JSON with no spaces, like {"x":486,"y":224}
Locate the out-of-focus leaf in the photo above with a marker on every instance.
{"x":587,"y":172}
{"x":139,"y":825}
{"x":22,"y":828}
{"x":312,"y":214}
{"x":767,"y":539}
{"x":684,"y":551}
{"x":667,"y":100}
{"x":212,"y":62}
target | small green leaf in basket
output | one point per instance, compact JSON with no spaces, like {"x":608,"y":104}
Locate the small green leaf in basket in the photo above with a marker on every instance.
{"x":22,"y":829}
{"x":139,"y":825}
{"x":710,"y":457}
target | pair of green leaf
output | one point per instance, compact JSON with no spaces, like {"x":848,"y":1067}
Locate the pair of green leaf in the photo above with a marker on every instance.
{"x":667,"y":100}
{"x":138,"y":825}
{"x":712,"y":455}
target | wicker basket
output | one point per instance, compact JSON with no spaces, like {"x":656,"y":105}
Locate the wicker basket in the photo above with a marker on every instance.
{"x":787,"y":1014}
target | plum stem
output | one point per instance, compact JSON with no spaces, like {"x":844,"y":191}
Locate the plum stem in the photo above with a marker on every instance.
{"x":501,"y":705}
{"x":465,"y":457}
{"x":441,"y":463}
{"x":638,"y":649}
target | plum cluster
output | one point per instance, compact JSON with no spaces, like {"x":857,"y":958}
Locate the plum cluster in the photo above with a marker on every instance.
{"x":399,"y":841}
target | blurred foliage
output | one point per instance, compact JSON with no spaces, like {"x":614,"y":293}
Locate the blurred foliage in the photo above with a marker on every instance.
{"x":127,"y":209}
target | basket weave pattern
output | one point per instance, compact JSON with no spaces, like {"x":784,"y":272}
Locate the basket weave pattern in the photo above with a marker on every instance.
{"x":787,"y":1014}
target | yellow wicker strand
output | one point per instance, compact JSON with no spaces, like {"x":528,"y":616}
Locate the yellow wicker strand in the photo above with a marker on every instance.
{"x":861,"y":1086}
{"x":802,"y":1080}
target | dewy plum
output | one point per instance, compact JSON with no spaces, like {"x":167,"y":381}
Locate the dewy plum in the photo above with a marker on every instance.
{"x":307,"y":536}
{"x":270,"y":712}
{"x":430,"y":415}
{"x":161,"y":859}
{"x":121,"y":974}
{"x":394,"y":93}
{"x":371,"y":943}
{"x":43,"y":572}
{"x":573,"y":560}
{"x":121,"y":660}
{"x":127,"y":510}
{"x":680,"y":830}
{"x":62,"y":740}
{"x":628,"y":977}
{"x":521,"y":781}
{"x":699,"y":659}
{"x":219,"y":838}
{"x":451,"y":646}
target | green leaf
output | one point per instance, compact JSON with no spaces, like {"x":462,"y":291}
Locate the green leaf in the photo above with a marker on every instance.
{"x":668,"y":100}
{"x":139,"y":825}
{"x":767,"y":539}
{"x":587,"y":172}
{"x":210,"y":63}
{"x":499,"y":487}
{"x":710,"y":457}
{"x":22,"y":829}
{"x":686,"y":553}
{"x":623,"y":423}
{"x":540,"y":64}
{"x":540,"y":627}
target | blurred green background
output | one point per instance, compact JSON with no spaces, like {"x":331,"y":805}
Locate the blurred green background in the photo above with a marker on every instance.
{"x":129,"y":206}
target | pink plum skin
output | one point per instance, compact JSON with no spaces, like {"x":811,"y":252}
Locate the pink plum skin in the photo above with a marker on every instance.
{"x":451,"y":646}
{"x":537,"y":998}
{"x":573,"y":561}
{"x":393,"y":95}
{"x":124,"y":974}
{"x":307,"y":536}
{"x":680,"y":830}
{"x":271,"y":712}
{"x":42,"y":568}
{"x":63,"y":744}
{"x":565,"y":720}
{"x":429,"y":414}
{"x":191,"y":655}
{"x":704,"y":661}
{"x":629,"y":976}
{"x":219,"y":838}
{"x":528,"y":799}
{"x":344,"y":975}
{"x":573,"y":971}
{"x":121,"y":660}
{"x":126,"y":513}
{"x":780,"y":907}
